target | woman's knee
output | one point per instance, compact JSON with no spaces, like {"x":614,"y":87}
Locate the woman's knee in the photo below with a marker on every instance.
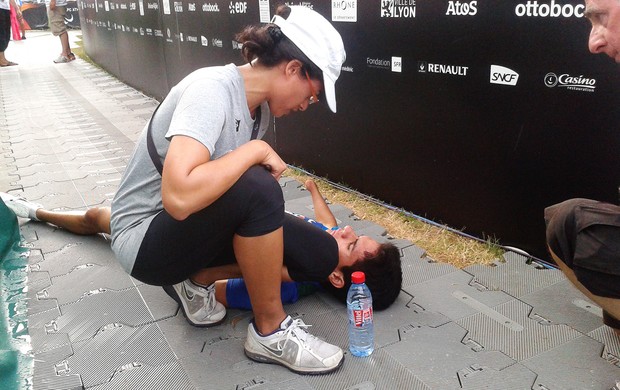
{"x":258,"y":185}
{"x":260,"y":196}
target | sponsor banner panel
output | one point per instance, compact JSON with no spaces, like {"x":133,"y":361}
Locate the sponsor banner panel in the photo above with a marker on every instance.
{"x":475,"y":113}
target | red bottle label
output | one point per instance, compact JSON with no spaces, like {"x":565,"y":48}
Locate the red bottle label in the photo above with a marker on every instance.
{"x":361,"y":316}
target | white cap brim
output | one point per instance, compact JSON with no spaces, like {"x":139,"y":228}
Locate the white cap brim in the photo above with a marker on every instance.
{"x":329,"y":90}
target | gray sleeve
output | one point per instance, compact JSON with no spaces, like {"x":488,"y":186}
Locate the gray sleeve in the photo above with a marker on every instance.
{"x":200,"y":113}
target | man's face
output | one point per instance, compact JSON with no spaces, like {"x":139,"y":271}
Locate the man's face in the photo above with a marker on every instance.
{"x":352,"y":247}
{"x":605,"y":35}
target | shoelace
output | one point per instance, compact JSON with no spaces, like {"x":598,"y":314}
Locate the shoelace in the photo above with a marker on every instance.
{"x":209,"y":293}
{"x":291,"y":331}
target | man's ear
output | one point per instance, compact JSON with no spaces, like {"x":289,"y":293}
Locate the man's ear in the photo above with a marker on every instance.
{"x":336,"y":278}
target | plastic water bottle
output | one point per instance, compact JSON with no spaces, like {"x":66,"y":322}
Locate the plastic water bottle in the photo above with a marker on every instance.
{"x":359,"y":307}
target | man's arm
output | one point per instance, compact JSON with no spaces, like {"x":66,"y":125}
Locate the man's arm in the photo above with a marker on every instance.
{"x":322,"y":213}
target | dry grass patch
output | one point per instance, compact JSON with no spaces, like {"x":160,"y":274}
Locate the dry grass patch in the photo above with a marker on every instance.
{"x":441,"y":245}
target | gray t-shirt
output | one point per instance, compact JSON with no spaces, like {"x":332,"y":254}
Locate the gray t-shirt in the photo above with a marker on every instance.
{"x":208,"y":105}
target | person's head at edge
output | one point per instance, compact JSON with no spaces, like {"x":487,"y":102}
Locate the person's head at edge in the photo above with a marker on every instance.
{"x":379,"y":261}
{"x":303,"y":53}
{"x":604,"y":15}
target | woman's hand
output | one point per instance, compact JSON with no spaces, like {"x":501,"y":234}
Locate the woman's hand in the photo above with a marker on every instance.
{"x":272,"y":162}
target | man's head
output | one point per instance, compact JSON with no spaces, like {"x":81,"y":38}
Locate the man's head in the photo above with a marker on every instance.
{"x":380,"y":262}
{"x":604,"y":15}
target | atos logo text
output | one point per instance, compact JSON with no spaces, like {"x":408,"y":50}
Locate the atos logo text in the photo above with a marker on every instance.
{"x":503,"y":75}
{"x":462,"y":8}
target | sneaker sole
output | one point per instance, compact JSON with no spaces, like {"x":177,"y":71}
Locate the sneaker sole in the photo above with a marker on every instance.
{"x":172,"y":293}
{"x":266,"y":359}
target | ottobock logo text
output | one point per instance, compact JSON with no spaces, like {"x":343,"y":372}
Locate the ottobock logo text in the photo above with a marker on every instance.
{"x":552,"y":10}
{"x":575,"y":83}
{"x":503,"y":75}
{"x":208,"y":7}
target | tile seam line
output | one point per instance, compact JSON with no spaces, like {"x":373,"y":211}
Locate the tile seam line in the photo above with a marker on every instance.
{"x":63,"y":81}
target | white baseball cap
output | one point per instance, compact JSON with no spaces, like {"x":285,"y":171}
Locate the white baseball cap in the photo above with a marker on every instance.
{"x":319,"y":41}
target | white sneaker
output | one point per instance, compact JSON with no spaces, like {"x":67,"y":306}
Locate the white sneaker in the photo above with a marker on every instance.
{"x":198,"y":303}
{"x":20,"y":206}
{"x":293,"y":347}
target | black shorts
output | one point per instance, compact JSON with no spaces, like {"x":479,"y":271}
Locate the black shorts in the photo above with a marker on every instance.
{"x":585,"y":235}
{"x":173,"y":250}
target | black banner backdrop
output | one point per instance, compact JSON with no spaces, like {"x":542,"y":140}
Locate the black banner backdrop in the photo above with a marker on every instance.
{"x":476,"y":114}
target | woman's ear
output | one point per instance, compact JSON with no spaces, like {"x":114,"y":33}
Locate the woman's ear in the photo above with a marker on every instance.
{"x":294,"y":67}
{"x":336,"y":278}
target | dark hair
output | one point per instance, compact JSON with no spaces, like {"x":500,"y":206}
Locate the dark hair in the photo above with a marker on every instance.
{"x":384,"y":276}
{"x":269,"y":46}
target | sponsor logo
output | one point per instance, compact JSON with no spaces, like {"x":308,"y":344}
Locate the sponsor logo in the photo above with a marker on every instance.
{"x":191,"y":38}
{"x":149,"y":31}
{"x":152,"y":5}
{"x":204,"y":41}
{"x":462,"y":8}
{"x":301,"y":3}
{"x":263,"y":11}
{"x":207,"y":7}
{"x":133,"y":6}
{"x":237,"y":7}
{"x":428,"y":67}
{"x":141,"y":30}
{"x":378,"y":63}
{"x":397,"y":64}
{"x":575,"y":83}
{"x":123,"y":6}
{"x":398,"y":8}
{"x":178,"y":6}
{"x":191,"y":7}
{"x":217,"y":42}
{"x":158,"y":33}
{"x":503,"y":75}
{"x":347,"y":69}
{"x":344,"y":10}
{"x":236,"y":45}
{"x":552,"y":10}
